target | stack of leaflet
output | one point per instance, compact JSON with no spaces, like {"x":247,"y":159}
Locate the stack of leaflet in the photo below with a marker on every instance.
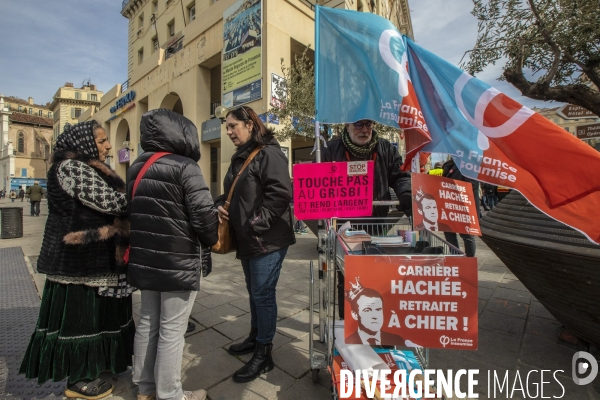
{"x":389,"y":241}
{"x":355,"y":357}
{"x":353,"y":239}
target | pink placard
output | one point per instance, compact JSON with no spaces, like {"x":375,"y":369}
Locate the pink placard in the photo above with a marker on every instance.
{"x":338,"y":189}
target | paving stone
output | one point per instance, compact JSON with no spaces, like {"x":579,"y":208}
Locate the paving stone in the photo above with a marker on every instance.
{"x":501,"y":323}
{"x":130,"y":394}
{"x":512,"y":294}
{"x":236,"y":328}
{"x":209,"y":369}
{"x":543,"y":327}
{"x":508,"y":307}
{"x":283,"y":292}
{"x":496,"y":349}
{"x":304,"y":389}
{"x":203,"y":342}
{"x":228,"y":390}
{"x":213,"y":316}
{"x":490,"y":276}
{"x":513,"y":284}
{"x":292,"y":359}
{"x":538,"y":310}
{"x":481,"y":305}
{"x":484,"y":293}
{"x":288,"y":307}
{"x":197,"y":307}
{"x":487,"y":284}
{"x":215,"y":300}
{"x":242,"y":304}
{"x":297,"y":325}
{"x":122,"y":382}
{"x":545,"y":354}
{"x":267,"y":385}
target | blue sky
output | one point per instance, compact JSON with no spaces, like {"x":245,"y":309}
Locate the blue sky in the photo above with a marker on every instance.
{"x":49,"y":42}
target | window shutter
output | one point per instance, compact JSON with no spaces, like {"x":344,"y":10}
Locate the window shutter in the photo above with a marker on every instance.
{"x":72,"y":113}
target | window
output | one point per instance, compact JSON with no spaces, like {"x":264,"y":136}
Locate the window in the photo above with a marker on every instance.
{"x":171,"y":28}
{"x":141,"y":20}
{"x":94,"y":97}
{"x":77,"y":95}
{"x":23,"y":172}
{"x":8,"y":107}
{"x":20,"y":108}
{"x":41,"y":113}
{"x":140,"y":55}
{"x":49,"y":114}
{"x":155,"y":6}
{"x":21,"y":143}
{"x":192,"y":12}
{"x":75,"y":112}
{"x":30,"y":110}
{"x":154,"y":44}
{"x":567,"y":129}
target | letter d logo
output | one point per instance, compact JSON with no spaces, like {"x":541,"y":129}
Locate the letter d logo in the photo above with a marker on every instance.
{"x":581,"y":364}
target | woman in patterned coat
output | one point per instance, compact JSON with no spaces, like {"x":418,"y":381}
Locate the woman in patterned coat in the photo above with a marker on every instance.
{"x":85,"y":323}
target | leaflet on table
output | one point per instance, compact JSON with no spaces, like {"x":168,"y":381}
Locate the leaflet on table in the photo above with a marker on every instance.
{"x":403,"y":360}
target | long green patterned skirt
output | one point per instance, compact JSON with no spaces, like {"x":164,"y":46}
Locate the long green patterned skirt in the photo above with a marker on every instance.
{"x":79,"y":334}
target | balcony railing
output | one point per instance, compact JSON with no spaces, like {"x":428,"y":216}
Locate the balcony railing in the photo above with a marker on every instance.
{"x":213,"y":107}
{"x":124,"y":86}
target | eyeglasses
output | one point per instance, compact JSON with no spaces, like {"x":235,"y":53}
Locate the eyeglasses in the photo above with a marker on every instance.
{"x":243,"y":109}
{"x":361,"y":124}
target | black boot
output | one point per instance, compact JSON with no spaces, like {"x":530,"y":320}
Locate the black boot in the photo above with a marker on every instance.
{"x":247,"y":346}
{"x":260,"y":363}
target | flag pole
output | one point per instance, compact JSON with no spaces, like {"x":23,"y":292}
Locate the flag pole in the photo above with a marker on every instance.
{"x":317,"y":128}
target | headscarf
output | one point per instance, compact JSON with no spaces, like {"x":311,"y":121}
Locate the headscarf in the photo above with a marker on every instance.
{"x":79,"y":137}
{"x":362,"y":152}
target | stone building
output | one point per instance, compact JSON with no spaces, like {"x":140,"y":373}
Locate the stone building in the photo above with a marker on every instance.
{"x":69,"y":103}
{"x":24,"y":146}
{"x":569,"y":125}
{"x":183,"y":55}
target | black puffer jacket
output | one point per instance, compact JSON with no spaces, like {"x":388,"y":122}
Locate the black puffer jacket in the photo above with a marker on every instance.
{"x":259,"y":213}
{"x":387,"y":170}
{"x":172,"y":211}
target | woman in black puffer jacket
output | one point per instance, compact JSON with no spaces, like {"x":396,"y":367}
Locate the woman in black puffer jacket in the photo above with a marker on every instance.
{"x":172,"y":218}
{"x":261,"y":220}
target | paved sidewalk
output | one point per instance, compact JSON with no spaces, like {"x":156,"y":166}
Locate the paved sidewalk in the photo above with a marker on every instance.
{"x":516,"y":333}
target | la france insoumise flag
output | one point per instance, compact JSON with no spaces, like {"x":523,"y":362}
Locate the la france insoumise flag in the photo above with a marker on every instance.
{"x":366,"y":69}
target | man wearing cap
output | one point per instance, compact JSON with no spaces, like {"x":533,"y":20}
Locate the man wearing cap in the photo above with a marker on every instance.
{"x":35,"y":193}
{"x":360,"y":142}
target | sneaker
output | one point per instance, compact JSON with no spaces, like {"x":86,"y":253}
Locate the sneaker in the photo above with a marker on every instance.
{"x":304,"y":232}
{"x":195,"y":395}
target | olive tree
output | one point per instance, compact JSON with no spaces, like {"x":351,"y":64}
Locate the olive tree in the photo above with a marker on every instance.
{"x":551,"y":48}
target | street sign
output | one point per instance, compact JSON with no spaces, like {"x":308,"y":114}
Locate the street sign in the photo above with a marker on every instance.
{"x":575,"y":112}
{"x":591,"y":131}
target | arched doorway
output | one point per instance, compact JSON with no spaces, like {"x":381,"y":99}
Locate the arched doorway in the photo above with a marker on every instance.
{"x":172,"y":101}
{"x":121,"y":136}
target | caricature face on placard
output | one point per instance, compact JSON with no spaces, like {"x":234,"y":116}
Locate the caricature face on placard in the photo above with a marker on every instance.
{"x":428,"y":301}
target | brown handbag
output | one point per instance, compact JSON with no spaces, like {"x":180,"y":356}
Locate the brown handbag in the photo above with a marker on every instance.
{"x":225,"y":244}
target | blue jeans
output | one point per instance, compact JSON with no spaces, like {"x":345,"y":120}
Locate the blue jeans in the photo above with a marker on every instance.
{"x":467,"y":239}
{"x":492,"y":201}
{"x":262,"y":274}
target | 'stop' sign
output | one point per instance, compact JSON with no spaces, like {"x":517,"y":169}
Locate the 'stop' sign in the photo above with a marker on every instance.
{"x":122,"y":101}
{"x":574,"y":112}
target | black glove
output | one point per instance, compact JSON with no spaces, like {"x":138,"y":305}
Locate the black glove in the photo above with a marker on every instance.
{"x":405,"y":204}
{"x":206,"y":262}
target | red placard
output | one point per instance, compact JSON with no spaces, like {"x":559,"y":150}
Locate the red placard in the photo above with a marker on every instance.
{"x":444,"y":204}
{"x":339,"y":189}
{"x":428,"y":301}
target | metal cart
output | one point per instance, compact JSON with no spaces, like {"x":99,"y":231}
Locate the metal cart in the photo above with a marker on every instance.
{"x":332,"y":251}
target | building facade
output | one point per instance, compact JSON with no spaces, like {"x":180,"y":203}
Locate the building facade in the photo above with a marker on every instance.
{"x":569,"y":125}
{"x":69,"y":103}
{"x":24,"y":146}
{"x":191,"y":56}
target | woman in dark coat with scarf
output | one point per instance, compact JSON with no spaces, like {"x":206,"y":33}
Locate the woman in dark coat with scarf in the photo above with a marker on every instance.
{"x":261,"y":220}
{"x":85,"y":323}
